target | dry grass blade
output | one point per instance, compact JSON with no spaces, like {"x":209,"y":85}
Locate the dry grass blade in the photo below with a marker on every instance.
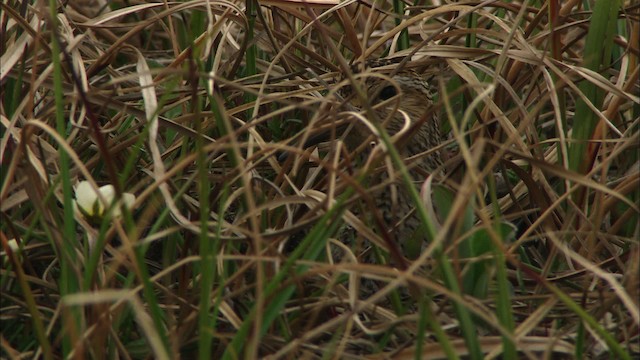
{"x":276,"y":150}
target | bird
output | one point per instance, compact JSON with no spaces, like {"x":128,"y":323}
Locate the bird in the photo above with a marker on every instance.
{"x":402,"y":104}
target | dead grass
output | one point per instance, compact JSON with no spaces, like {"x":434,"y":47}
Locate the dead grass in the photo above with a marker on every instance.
{"x":237,"y":245}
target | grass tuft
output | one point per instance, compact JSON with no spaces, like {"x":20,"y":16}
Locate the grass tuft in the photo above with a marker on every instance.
{"x":255,"y":231}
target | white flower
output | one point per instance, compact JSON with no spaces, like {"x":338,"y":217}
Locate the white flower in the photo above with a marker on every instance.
{"x":13,"y":245}
{"x":93,"y":204}
{"x":15,"y":249}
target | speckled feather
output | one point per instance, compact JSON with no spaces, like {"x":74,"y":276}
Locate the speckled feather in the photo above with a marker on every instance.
{"x":415,"y":100}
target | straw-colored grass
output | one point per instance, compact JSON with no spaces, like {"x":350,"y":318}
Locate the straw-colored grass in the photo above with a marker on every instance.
{"x":243,"y":242}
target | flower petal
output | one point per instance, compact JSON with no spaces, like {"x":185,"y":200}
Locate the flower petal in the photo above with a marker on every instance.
{"x":86,"y":197}
{"x":128,"y":200}
{"x":108,"y":192}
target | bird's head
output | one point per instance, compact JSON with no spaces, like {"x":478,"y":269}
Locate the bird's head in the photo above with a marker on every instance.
{"x":402,"y":104}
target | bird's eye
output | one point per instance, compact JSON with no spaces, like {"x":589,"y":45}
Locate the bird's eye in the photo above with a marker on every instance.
{"x":388,"y":92}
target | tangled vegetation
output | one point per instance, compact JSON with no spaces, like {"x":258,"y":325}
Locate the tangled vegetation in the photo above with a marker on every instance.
{"x":161,"y":198}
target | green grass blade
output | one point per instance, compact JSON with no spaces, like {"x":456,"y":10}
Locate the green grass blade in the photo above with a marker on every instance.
{"x":68,"y":282}
{"x":597,"y":55}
